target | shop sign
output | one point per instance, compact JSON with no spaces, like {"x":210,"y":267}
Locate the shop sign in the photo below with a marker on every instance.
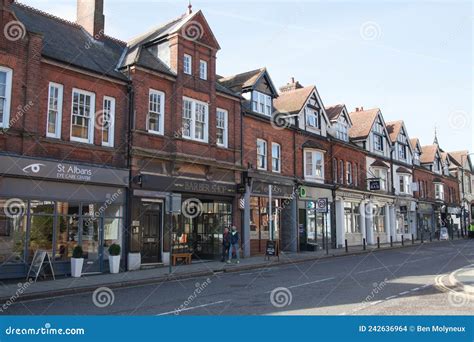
{"x":62,"y":171}
{"x":261,"y":188}
{"x":374,"y":185}
{"x":166,"y":183}
{"x":454,"y":211}
{"x":302,"y":192}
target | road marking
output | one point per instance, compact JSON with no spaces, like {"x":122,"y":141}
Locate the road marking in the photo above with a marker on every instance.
{"x":415,"y":289}
{"x":304,"y":284}
{"x":192,"y":308}
{"x":391,"y":297}
{"x":403,"y":293}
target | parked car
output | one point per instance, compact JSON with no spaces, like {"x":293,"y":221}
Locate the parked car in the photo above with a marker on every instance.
{"x":443,"y":234}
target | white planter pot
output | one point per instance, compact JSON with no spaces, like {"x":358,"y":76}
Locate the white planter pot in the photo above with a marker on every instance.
{"x":76,"y":267}
{"x":134,"y":261}
{"x":114,"y":263}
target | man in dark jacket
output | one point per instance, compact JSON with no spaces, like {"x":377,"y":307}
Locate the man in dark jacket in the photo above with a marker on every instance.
{"x":234,"y":244}
{"x":225,"y":244}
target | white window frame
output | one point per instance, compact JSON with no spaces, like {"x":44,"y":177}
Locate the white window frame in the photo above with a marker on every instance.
{"x":8,"y":96}
{"x":59,"y":113}
{"x":261,"y":100}
{"x":161,"y":113}
{"x":439,"y":191}
{"x":111,"y":141}
{"x":202,"y":69}
{"x":91,"y":118}
{"x":192,"y":128}
{"x":278,"y":157}
{"x":187,"y":64}
{"x":264,"y":155}
{"x":312,"y":118}
{"x":225,"y":129}
{"x":311,"y":176}
{"x":349,"y":175}
{"x":382,"y":174}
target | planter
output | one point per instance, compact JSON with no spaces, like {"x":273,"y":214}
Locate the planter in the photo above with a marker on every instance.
{"x":114,"y":263}
{"x":134,"y":261}
{"x":76,"y":267}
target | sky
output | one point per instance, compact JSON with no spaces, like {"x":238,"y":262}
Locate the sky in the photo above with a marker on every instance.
{"x":411,"y":59}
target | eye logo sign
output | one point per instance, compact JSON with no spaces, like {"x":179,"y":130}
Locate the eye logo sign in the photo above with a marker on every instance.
{"x":35,"y":168}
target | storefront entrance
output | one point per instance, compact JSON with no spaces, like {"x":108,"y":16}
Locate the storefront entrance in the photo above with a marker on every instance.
{"x":152,"y":219}
{"x":312,"y":229}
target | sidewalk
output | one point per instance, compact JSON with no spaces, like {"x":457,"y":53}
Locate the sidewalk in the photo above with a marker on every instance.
{"x":20,"y":291}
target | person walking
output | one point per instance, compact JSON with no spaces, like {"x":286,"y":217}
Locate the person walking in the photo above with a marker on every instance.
{"x":234,"y":244}
{"x":225,"y":244}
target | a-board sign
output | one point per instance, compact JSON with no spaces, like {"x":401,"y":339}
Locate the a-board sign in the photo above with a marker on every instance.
{"x":39,"y":259}
{"x":271,"y":249}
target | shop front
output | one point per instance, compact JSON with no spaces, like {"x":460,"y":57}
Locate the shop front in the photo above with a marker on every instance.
{"x":405,"y":220}
{"x":314,"y":218}
{"x":426,"y":220}
{"x":380,"y":219}
{"x":206,"y":209}
{"x":269,"y":215}
{"x":54,"y":206}
{"x":350,"y":218}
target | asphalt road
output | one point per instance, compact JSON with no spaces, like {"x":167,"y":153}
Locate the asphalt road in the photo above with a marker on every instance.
{"x":394,"y":282}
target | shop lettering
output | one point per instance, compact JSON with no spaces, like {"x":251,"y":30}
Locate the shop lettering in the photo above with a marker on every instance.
{"x":73,"y":173}
{"x":203,"y":187}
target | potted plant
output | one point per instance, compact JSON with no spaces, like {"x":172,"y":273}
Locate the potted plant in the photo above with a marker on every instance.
{"x":114,"y":258}
{"x":77,"y":261}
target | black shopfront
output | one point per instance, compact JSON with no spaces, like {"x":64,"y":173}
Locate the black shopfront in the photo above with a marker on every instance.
{"x":54,"y":206}
{"x":207,"y":208}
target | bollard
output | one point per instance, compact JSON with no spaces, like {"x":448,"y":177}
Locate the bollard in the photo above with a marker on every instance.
{"x":363,"y":243}
{"x":347,"y":249}
{"x":458,"y":234}
{"x":421,"y":237}
{"x":431,"y":237}
{"x":412,"y":239}
{"x":403,"y":240}
{"x":391,"y":241}
{"x":378,"y":241}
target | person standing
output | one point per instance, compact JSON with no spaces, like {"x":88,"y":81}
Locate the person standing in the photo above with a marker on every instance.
{"x":234,"y":244}
{"x":225,"y":244}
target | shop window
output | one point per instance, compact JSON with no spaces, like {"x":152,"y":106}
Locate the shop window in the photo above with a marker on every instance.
{"x":351,"y":217}
{"x":108,"y":121}
{"x":82,"y":121}
{"x":378,"y":219}
{"x":55,"y":110}
{"x":41,"y":227}
{"x":67,"y":230}
{"x":402,"y":221}
{"x":12,"y":230}
{"x":5,"y":96}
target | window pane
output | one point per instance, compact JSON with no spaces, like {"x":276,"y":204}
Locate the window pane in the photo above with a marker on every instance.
{"x":12,"y":231}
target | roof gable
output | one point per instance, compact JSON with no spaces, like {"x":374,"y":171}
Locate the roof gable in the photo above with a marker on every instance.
{"x":363,"y":121}
{"x":248,"y":80}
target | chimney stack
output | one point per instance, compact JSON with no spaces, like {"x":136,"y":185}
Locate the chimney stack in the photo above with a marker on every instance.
{"x":90,"y":15}
{"x":292,"y":85}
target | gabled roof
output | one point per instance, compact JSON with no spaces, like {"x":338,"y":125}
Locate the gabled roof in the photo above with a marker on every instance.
{"x":246,"y":80}
{"x":68,"y":42}
{"x":293,"y":101}
{"x":379,"y":163}
{"x":334,"y":111}
{"x":140,"y":56}
{"x":428,"y":153}
{"x":393,"y":129}
{"x":402,"y":169}
{"x":414,"y":142}
{"x":459,"y":156}
{"x":362,"y":122}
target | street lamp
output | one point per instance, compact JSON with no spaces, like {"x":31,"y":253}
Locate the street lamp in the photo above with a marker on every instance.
{"x":463,"y":193}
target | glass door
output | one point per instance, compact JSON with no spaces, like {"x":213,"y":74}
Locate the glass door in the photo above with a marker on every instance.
{"x":91,"y":238}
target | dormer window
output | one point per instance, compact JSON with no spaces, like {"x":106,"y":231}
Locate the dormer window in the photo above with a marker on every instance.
{"x":261,"y":103}
{"x":187,"y":64}
{"x":378,"y":142}
{"x":342,"y":131}
{"x":312,"y":118}
{"x":416,"y":157}
{"x":402,"y":151}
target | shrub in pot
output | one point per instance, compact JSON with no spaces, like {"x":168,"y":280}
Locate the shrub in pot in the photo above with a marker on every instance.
{"x":77,"y":261}
{"x":114,"y":258}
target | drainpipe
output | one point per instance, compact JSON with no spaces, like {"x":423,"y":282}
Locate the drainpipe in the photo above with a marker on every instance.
{"x":333,"y":193}
{"x":129,"y":197}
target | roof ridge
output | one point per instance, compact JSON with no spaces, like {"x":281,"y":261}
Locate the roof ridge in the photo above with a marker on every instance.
{"x":242,"y":73}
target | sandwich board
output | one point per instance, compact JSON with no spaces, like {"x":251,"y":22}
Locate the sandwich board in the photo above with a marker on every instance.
{"x":37,"y":264}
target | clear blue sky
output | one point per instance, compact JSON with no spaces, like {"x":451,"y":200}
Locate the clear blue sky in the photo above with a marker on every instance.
{"x":414,"y":60}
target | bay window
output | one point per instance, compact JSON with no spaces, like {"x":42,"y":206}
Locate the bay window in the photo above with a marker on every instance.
{"x":195,"y":120}
{"x":5,"y":96}
{"x":314,"y":165}
{"x":221,"y":127}
{"x":261,"y":154}
{"x":156,"y":111}
{"x":404,"y":184}
{"x":82,"y":120}
{"x":382,"y":175}
{"x":55,"y":109}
